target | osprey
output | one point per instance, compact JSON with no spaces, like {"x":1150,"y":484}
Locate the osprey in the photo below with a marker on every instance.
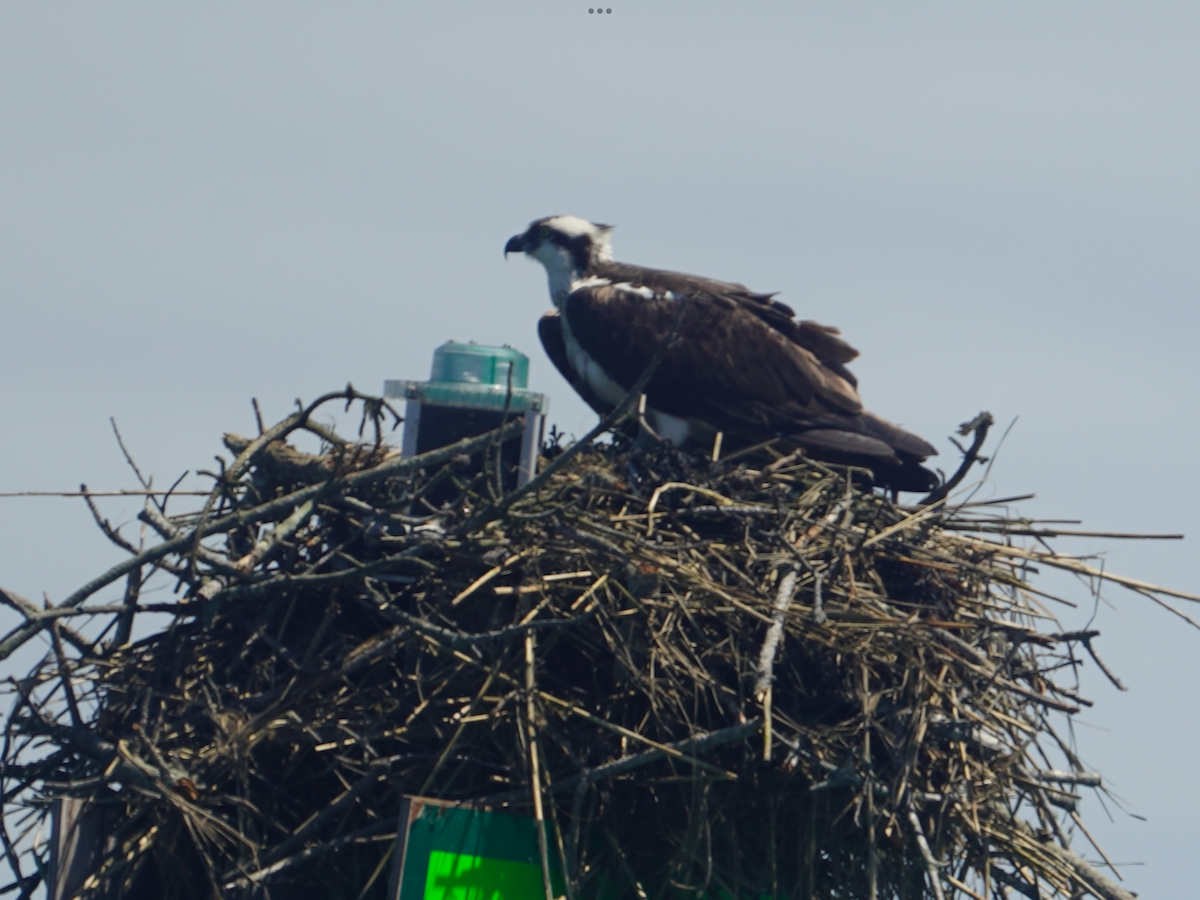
{"x":742,"y":365}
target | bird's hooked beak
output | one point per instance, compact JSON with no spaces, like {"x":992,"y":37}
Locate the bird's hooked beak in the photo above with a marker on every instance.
{"x":516,"y":244}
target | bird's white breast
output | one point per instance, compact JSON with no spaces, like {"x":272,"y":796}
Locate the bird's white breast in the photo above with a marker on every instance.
{"x":589,"y":370}
{"x":670,"y":428}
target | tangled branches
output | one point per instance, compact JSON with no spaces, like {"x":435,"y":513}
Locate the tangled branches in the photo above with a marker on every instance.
{"x":746,"y":678}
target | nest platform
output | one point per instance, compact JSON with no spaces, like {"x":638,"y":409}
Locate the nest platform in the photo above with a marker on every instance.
{"x":750,"y":678}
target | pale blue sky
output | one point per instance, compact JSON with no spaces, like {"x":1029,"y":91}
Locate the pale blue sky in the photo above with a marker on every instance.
{"x":998,"y":206}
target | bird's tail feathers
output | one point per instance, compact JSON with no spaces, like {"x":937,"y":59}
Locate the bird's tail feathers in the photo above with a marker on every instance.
{"x":904,"y":443}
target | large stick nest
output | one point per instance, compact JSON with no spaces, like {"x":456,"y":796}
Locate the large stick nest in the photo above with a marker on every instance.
{"x":743,"y":679}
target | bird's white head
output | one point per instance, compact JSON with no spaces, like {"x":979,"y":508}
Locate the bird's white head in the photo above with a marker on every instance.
{"x":569,"y":247}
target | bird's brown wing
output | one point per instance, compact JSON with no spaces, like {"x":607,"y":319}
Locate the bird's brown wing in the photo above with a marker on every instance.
{"x":822,"y":341}
{"x":728,"y":367}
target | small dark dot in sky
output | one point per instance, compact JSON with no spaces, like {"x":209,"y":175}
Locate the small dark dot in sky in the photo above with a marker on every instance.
{"x":590,"y":11}
{"x":609,"y":11}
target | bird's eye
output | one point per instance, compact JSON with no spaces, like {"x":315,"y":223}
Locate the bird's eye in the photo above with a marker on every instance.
{"x":544,"y":232}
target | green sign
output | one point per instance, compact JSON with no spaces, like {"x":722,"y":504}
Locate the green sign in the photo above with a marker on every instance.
{"x":458,"y":853}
